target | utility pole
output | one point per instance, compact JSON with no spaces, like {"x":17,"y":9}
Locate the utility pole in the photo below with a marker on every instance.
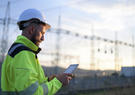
{"x":58,"y":42}
{"x":133,"y":49}
{"x":116,"y":56}
{"x":92,"y":64}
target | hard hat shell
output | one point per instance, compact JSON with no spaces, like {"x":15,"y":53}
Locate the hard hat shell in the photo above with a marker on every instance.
{"x":32,"y":14}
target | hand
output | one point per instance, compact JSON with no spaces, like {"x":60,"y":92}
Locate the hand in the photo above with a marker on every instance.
{"x":64,"y":78}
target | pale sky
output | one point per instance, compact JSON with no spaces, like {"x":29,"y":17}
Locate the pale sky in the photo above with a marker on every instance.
{"x":104,"y":17}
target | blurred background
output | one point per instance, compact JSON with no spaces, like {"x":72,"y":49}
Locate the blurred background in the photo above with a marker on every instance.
{"x":96,"y":34}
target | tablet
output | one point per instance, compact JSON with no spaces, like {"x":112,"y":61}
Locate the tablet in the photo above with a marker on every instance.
{"x":71,"y":68}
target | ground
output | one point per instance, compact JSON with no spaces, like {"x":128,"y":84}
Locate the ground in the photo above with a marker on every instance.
{"x":115,"y":91}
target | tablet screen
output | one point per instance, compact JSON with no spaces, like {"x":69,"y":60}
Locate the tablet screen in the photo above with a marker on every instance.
{"x":71,"y":68}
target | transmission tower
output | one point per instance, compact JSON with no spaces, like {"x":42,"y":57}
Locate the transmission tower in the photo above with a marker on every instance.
{"x":4,"y":40}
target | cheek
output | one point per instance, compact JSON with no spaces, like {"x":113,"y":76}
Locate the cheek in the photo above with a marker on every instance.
{"x":38,"y":36}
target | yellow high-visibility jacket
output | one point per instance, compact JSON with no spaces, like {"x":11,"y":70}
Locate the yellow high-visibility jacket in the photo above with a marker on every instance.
{"x":23,"y":75}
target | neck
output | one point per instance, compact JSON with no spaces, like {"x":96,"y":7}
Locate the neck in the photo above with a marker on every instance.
{"x":30,"y":37}
{"x":24,"y":33}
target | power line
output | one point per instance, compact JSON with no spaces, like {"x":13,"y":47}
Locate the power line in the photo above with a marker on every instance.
{"x":68,"y":32}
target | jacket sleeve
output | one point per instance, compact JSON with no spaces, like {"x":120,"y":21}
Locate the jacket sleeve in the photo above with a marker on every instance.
{"x":27,"y":80}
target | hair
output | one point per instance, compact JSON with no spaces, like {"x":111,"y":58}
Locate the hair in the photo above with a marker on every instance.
{"x":23,"y":24}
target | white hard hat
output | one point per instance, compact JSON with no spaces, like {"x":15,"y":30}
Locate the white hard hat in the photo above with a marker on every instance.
{"x":32,"y":14}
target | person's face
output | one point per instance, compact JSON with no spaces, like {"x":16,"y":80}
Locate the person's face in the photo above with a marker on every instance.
{"x":38,"y":34}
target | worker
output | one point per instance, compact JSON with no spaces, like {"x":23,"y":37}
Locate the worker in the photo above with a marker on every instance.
{"x":22,"y":73}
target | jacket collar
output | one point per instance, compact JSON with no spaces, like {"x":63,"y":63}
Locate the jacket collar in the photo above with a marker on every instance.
{"x":24,"y":40}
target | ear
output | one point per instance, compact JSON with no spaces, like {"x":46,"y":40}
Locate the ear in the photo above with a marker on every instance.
{"x":31,"y":29}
